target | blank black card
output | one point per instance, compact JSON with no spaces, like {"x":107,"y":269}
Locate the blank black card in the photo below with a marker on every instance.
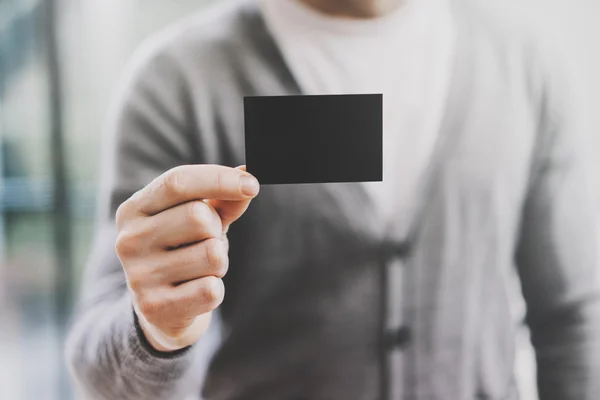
{"x":314,"y":139}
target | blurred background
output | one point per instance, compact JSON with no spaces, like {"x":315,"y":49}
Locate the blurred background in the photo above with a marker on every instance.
{"x":60,"y":60}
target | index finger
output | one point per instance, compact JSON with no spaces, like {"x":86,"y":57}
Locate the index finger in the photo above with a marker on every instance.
{"x":196,"y":182}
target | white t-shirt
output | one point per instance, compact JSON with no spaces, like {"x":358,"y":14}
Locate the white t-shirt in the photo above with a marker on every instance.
{"x":405,"y":55}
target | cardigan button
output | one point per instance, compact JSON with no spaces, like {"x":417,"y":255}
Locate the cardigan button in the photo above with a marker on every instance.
{"x":396,"y":250}
{"x":397,"y":339}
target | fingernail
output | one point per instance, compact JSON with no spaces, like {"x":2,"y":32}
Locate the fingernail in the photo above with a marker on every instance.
{"x":249,"y":185}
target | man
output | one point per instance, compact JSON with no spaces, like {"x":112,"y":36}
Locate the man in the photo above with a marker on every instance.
{"x":393,"y":290}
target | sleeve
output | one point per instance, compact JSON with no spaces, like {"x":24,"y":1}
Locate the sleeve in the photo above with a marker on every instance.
{"x":557,"y":256}
{"x":149,"y":133}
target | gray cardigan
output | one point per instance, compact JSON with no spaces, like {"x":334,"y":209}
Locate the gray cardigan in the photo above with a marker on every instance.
{"x":506,"y":207}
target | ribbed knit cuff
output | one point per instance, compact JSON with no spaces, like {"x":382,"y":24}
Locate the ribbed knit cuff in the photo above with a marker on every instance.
{"x":142,"y":362}
{"x":149,"y":348}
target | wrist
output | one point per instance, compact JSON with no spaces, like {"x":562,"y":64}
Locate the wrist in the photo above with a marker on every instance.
{"x":144,"y":343}
{"x":164,"y":343}
{"x":155,"y":337}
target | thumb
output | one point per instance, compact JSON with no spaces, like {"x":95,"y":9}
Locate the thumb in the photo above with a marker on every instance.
{"x":229,"y":210}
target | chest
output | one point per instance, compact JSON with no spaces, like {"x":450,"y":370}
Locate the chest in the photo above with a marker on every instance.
{"x":474,"y":181}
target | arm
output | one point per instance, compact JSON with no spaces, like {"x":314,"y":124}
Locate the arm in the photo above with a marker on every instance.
{"x":558,"y":252}
{"x":108,"y":354}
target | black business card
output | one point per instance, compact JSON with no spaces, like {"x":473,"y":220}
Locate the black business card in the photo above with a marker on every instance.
{"x":314,"y":139}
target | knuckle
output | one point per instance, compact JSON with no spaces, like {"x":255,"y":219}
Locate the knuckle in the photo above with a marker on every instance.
{"x":211,"y":293}
{"x":205,"y":218}
{"x":199,"y":213}
{"x":216,"y":257}
{"x":171,"y":181}
{"x":120,"y":214}
{"x":123,"y":213}
{"x":128,"y":244}
{"x":135,"y":281}
{"x":148,"y":306}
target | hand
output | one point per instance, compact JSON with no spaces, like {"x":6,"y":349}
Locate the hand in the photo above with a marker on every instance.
{"x":172,"y":243}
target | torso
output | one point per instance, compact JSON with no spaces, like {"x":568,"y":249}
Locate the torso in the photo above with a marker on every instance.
{"x":304,"y":291}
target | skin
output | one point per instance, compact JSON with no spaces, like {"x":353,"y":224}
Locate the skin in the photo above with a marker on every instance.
{"x":172,"y":243}
{"x":172,"y":235}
